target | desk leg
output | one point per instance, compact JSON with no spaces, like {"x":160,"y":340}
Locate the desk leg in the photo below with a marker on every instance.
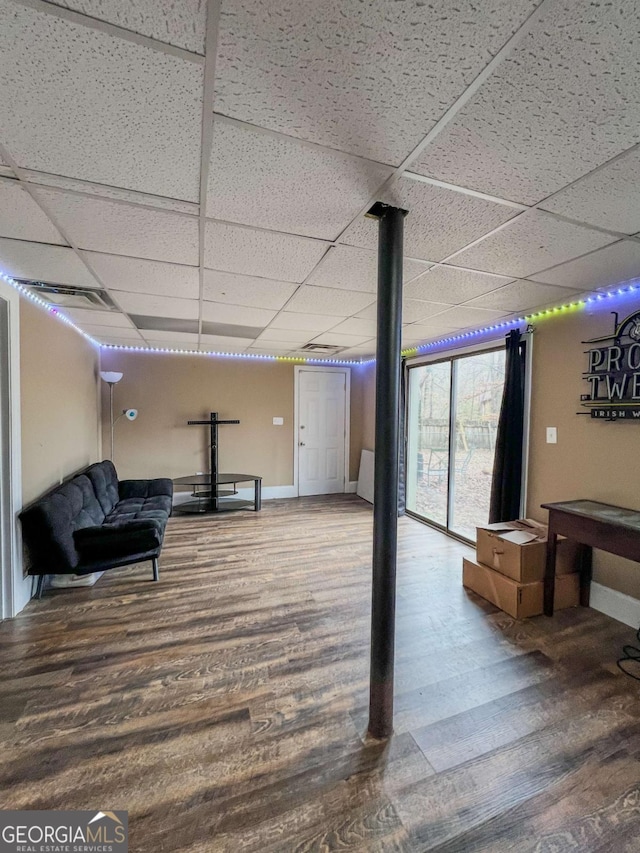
{"x":550,"y":572}
{"x":257,"y":502}
{"x":586,"y":568}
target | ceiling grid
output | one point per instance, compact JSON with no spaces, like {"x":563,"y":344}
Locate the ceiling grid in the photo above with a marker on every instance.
{"x":213,"y":182}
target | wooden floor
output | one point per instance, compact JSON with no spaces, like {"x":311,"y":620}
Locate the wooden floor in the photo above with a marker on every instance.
{"x":225,"y":707}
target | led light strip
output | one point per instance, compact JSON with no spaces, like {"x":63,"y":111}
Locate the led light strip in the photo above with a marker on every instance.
{"x":610,"y":294}
{"x":601,"y":297}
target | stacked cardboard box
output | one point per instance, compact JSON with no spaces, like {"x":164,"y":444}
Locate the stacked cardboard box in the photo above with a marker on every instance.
{"x":510,"y":566}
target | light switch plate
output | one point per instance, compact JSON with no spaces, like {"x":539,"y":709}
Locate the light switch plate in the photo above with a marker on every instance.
{"x":552,"y":435}
{"x":278,"y":421}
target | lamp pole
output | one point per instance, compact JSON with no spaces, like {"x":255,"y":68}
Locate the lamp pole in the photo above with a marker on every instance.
{"x":111,"y":377}
{"x":111,"y":384}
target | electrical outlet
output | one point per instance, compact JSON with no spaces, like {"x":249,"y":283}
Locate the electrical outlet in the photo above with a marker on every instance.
{"x":552,"y":435}
{"x":278,"y":421}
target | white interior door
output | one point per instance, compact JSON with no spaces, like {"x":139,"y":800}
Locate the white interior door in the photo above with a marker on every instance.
{"x":322,"y":406}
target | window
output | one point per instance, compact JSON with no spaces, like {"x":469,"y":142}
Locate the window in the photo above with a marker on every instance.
{"x":453,"y":409}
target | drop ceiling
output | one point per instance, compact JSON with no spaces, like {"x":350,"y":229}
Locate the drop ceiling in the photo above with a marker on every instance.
{"x":208,"y":164}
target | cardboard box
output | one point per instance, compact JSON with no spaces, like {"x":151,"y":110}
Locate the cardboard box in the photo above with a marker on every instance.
{"x":519,"y":550}
{"x":518,"y":599}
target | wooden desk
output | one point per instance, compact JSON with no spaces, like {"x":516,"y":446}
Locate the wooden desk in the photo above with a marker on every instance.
{"x":593,"y":525}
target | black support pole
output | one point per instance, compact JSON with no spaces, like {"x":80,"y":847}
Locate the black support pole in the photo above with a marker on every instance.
{"x":385,"y":509}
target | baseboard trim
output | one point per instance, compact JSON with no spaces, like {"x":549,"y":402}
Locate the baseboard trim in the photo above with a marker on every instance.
{"x":624,"y":608}
{"x":352,"y":487}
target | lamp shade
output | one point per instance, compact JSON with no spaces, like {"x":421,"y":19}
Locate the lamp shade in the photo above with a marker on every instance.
{"x":110,"y":376}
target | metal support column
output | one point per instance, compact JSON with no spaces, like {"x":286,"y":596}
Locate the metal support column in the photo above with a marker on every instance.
{"x":385,"y":508}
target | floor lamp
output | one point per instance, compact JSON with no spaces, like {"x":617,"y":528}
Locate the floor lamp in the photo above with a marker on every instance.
{"x":111,"y":377}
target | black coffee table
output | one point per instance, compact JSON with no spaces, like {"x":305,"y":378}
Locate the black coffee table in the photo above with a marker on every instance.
{"x":218,"y":499}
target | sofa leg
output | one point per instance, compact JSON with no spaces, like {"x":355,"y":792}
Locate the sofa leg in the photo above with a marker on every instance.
{"x":156,"y":573}
{"x":39,"y":586}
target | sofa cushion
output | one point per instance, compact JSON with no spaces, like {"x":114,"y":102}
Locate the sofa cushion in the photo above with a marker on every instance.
{"x":160,"y":487}
{"x":104,"y":479}
{"x":133,"y":508}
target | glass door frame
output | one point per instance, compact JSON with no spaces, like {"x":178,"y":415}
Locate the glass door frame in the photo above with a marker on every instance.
{"x":452,"y":356}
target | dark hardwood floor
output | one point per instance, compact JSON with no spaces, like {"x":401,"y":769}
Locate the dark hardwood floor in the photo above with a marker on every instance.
{"x":225,"y":707}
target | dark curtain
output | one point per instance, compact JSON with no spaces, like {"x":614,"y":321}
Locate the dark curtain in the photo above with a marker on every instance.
{"x":506,"y":485}
{"x":402,"y":443}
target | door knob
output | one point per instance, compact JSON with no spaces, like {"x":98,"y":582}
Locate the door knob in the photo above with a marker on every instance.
{"x":302,"y":444}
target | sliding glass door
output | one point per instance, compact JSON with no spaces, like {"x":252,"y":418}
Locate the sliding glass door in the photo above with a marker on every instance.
{"x":453,"y":408}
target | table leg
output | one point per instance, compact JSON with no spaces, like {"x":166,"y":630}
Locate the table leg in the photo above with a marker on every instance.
{"x":257,"y":502}
{"x":550,"y":572}
{"x":586,"y":569}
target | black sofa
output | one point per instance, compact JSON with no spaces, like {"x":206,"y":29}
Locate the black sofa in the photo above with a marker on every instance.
{"x":94,"y":522}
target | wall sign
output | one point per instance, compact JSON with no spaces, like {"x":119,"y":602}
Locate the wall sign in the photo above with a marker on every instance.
{"x":613,"y":374}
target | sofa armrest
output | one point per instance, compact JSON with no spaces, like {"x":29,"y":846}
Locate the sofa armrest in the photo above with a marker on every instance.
{"x":120,"y":539}
{"x":145,"y":488}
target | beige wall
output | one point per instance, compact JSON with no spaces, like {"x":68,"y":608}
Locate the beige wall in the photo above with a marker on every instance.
{"x":59,"y":400}
{"x":168,"y":390}
{"x":592,"y":459}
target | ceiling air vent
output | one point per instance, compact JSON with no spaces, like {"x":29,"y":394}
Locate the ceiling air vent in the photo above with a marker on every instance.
{"x":324,"y":349}
{"x":66,"y":296}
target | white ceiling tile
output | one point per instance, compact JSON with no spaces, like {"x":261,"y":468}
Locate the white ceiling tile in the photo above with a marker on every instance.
{"x":356,"y":326}
{"x":224,"y":343}
{"x":413,"y":310}
{"x":533,"y":242}
{"x":168,"y":337}
{"x":328,"y":300}
{"x":22,"y":218}
{"x":563,"y":102}
{"x":306,"y":322}
{"x":523,"y":296}
{"x":281,"y":257}
{"x":453,"y":285}
{"x":439,"y":221}
{"x":419,"y":332}
{"x":38,"y":261}
{"x":116,"y":340}
{"x":71,"y":103}
{"x":103,"y":332}
{"x":108,"y":226}
{"x":275,"y":182}
{"x":364,"y":351}
{"x":88,"y":188}
{"x":292,"y":336}
{"x":603,"y":268}
{"x":246,"y":290}
{"x":237,"y":315}
{"x":609,"y":198}
{"x":462,"y":317}
{"x":271,"y":348}
{"x":140,"y":276}
{"x":349,"y":268}
{"x":370,"y":78}
{"x":340,"y":340}
{"x":181,"y":24}
{"x":158,"y":306}
{"x":89,"y":317}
